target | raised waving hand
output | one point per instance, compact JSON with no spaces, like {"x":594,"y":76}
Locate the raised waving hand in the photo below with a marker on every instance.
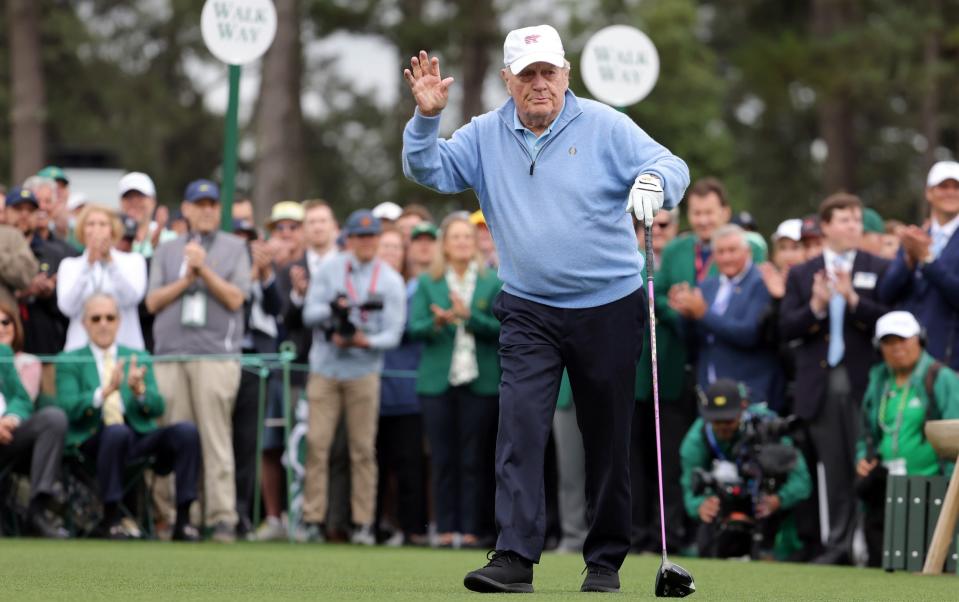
{"x":430,"y":90}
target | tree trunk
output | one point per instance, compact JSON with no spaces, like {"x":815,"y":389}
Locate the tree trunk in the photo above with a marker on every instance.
{"x":28,"y":107}
{"x":834,"y":107}
{"x":481,"y":33}
{"x":929,"y":109}
{"x":278,"y":169}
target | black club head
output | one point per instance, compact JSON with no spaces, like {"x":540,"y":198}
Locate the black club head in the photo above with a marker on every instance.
{"x":673,"y":581}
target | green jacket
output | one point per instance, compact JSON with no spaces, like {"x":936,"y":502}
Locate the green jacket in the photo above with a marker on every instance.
{"x":78,"y":378}
{"x":695,"y":453}
{"x":678,"y":264}
{"x":18,"y":401}
{"x":432,"y":377}
{"x":945,"y":388}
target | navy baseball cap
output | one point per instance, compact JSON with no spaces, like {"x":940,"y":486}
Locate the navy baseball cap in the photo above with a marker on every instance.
{"x":201,"y":189}
{"x":16,"y":196}
{"x":362,"y":222}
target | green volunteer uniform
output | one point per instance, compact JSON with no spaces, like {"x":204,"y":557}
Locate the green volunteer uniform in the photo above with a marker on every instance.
{"x":903,"y":439}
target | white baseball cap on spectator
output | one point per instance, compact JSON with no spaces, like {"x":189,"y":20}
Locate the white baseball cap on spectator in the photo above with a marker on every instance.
{"x":942,"y":171}
{"x":388,"y":210}
{"x":76,"y":200}
{"x":139,"y":181}
{"x":791,"y":229}
{"x":529,"y":45}
{"x":897,"y":323}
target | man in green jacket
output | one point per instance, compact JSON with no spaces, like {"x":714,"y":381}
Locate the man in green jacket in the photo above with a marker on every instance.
{"x":110,"y":396}
{"x":711,"y":445}
{"x":686,"y":261}
{"x":32,"y":442}
{"x":905,"y":390}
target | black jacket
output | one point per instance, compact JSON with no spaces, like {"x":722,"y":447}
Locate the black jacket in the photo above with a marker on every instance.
{"x":811,"y":335}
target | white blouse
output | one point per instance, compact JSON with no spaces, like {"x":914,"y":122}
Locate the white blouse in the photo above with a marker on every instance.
{"x":124,"y":278}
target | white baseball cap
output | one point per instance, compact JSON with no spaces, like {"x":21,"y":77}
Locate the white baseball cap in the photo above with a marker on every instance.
{"x":139,"y":181}
{"x":529,"y":45}
{"x":388,"y":210}
{"x":942,"y":171}
{"x":791,"y":229}
{"x":899,"y":323}
{"x":76,"y":200}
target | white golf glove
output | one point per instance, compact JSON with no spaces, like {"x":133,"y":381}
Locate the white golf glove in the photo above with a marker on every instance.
{"x":645,"y":197}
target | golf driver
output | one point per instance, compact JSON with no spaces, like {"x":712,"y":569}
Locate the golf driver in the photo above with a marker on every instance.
{"x":672,"y":580}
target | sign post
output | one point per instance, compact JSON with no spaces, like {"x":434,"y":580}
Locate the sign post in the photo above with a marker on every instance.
{"x":236,"y":32}
{"x":620,"y":65}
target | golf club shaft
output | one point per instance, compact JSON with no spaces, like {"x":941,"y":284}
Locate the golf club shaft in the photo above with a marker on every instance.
{"x":650,"y":268}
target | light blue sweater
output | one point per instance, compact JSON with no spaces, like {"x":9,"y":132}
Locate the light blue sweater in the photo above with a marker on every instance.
{"x":560,"y":225}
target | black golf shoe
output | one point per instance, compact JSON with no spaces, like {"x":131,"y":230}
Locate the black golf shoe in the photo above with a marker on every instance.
{"x":506,"y":572}
{"x":600,"y":579}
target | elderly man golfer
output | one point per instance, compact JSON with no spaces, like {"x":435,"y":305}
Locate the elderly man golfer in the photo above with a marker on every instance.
{"x":555,"y":176}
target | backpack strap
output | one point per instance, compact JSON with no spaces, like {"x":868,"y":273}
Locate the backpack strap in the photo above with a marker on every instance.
{"x":932,"y":410}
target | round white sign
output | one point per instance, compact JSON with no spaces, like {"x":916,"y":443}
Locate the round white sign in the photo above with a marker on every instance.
{"x":620,"y":65}
{"x":238,"y":31}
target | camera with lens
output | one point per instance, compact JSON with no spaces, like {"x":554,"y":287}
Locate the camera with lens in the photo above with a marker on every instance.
{"x":340,"y":309}
{"x":760,"y":464}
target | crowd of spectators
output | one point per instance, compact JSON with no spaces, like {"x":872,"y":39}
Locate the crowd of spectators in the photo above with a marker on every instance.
{"x":121,"y":333}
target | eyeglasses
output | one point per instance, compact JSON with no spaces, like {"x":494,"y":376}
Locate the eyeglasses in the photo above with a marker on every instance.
{"x":286,"y":227}
{"x":110,"y":318}
{"x":662,"y":225}
{"x":5,"y":322}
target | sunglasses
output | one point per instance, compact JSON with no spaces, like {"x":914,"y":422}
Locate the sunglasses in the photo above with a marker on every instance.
{"x":286,"y":227}
{"x":5,"y":322}
{"x":108,"y":317}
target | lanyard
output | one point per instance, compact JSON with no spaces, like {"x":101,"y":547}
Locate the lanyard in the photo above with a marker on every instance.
{"x":900,"y":411}
{"x":702,"y":267}
{"x":351,"y":291}
{"x":711,"y":438}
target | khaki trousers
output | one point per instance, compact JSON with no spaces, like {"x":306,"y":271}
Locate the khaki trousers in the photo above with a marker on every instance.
{"x":359,"y":401}
{"x":204,"y":393}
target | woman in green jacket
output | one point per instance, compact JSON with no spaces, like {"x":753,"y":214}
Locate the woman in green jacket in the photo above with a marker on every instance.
{"x":905,"y":390}
{"x":458,"y":380}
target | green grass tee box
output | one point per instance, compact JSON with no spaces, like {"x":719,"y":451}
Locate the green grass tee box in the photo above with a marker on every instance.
{"x":100,"y":570}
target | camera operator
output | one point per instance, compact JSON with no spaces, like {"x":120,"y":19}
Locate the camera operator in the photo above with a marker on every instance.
{"x":356,"y":306}
{"x":740,"y":475}
{"x":908,"y":388}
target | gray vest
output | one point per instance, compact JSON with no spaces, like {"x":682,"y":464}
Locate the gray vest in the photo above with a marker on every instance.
{"x":223,"y":331}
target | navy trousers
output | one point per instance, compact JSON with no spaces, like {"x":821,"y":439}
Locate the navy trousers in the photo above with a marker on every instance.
{"x":176,"y":448}
{"x":599,"y":347}
{"x":461,"y":427}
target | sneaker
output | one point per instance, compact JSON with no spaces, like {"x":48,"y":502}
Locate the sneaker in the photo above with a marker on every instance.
{"x":271,"y":529}
{"x":506,"y":572}
{"x":396,"y":540}
{"x":600,"y":579}
{"x":223,"y":533}
{"x":186,"y":532}
{"x":312,"y":533}
{"x":46,"y":524}
{"x":363,"y":535}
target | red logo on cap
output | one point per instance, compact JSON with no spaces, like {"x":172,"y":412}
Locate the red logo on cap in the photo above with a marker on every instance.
{"x":532,"y":39}
{"x":365,"y":221}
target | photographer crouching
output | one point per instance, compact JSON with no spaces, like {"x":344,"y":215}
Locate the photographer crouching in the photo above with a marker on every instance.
{"x":908,"y":388}
{"x":356,"y":306}
{"x":741,"y":475}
